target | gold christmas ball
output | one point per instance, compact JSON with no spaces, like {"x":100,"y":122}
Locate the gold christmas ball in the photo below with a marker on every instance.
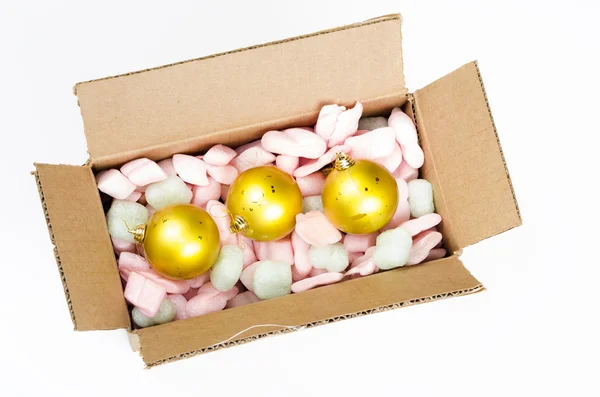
{"x":181,"y":241}
{"x":359,"y":196}
{"x":263,"y":203}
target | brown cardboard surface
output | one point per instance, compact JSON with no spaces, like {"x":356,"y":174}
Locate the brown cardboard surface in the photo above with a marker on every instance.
{"x":429,"y":172}
{"x":386,"y":290}
{"x":182,"y":103}
{"x":465,"y":164}
{"x":83,"y":249}
{"x":239,"y":135}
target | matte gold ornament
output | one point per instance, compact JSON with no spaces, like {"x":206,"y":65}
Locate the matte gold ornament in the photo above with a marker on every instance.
{"x":180,"y":241}
{"x":359,"y":196}
{"x":263,"y":203}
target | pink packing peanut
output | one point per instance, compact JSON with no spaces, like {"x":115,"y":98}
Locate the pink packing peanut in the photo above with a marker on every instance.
{"x":287,"y":163}
{"x":241,"y":299}
{"x":302,"y":264}
{"x":335,"y":123}
{"x":280,"y":250}
{"x":314,"y":228}
{"x":144,"y":294}
{"x":372,"y":144}
{"x":219,"y":155}
{"x":224,"y":174}
{"x":203,"y":194}
{"x":308,"y":166}
{"x":406,"y":136}
{"x":171,"y":286}
{"x":316,"y":281}
{"x":132,"y":262}
{"x":179,"y":302}
{"x":122,"y":245}
{"x":115,"y":184}
{"x":143,"y":172}
{"x":422,"y":223}
{"x":359,"y":242}
{"x":167,"y":166}
{"x":253,"y":156}
{"x":296,"y":142}
{"x":190,"y":169}
{"x":422,"y":245}
{"x":311,"y":185}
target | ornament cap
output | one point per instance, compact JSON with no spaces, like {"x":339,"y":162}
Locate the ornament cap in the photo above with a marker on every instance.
{"x":139,"y":233}
{"x":238,"y":224}
{"x":342,"y":161}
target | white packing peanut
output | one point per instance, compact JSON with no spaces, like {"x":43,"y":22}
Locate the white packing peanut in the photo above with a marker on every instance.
{"x":168,"y":192}
{"x":420,"y":197}
{"x":123,"y":216}
{"x":228,"y":267}
{"x":392,"y":248}
{"x":332,"y":257}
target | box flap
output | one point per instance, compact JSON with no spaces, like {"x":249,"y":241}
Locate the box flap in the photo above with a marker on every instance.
{"x":472,"y":187}
{"x":82,"y":246}
{"x":127,"y":116}
{"x":383,"y":291}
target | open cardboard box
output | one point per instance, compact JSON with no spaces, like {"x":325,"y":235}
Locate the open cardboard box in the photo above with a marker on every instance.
{"x":235,"y":97}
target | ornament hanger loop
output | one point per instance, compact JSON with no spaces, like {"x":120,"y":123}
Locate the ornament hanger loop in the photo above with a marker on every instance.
{"x":342,"y":161}
{"x":139,"y":232}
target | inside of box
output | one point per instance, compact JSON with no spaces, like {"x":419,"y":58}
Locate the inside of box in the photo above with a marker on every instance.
{"x":375,"y":107}
{"x":240,"y":135}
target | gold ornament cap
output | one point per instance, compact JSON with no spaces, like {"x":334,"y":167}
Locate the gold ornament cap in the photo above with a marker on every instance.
{"x":342,"y":161}
{"x":238,"y":224}
{"x":139,"y":233}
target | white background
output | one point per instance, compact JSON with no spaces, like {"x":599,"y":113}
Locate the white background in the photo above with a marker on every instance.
{"x":533,"y":332}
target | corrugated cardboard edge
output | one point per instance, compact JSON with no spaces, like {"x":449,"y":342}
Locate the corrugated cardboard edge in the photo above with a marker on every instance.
{"x":371,"y":21}
{"x":498,"y":141}
{"x":135,"y":343}
{"x":86,"y":263}
{"x":54,"y":248}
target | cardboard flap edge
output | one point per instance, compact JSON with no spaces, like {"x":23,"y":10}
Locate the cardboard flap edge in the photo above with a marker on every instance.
{"x":382,"y":18}
{"x":461,"y":138}
{"x":380,"y":292}
{"x":82,"y":248}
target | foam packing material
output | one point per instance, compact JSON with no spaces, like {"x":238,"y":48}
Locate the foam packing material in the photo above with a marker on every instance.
{"x":124,"y":216}
{"x":272,"y":279}
{"x":314,"y":255}
{"x":227,"y":269}
{"x":420,"y":197}
{"x":392,"y":248}
{"x":332,"y":257}
{"x":171,"y":191}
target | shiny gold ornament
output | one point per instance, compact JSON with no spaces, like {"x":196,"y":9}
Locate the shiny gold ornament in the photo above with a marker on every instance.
{"x":181,"y":241}
{"x":359,"y":196}
{"x":263,"y":203}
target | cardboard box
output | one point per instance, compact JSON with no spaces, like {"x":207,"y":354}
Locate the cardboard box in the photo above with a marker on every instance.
{"x":235,"y":97}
